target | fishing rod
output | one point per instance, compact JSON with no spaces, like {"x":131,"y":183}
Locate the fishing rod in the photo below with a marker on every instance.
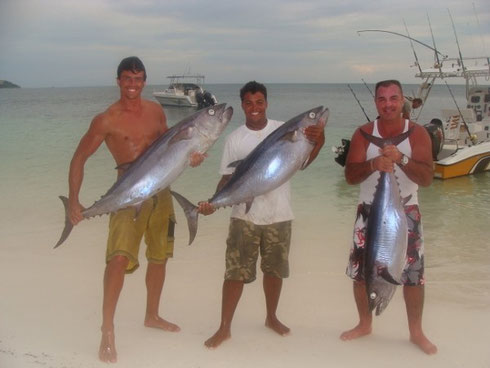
{"x":405,"y":36}
{"x":439,"y":65}
{"x":369,"y":89}
{"x":460,"y":114}
{"x":413,"y":49}
{"x":359,"y":102}
{"x":460,"y":55}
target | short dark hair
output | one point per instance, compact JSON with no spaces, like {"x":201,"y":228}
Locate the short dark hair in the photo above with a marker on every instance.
{"x":133,"y":64}
{"x":253,"y":87}
{"x":387,"y":83}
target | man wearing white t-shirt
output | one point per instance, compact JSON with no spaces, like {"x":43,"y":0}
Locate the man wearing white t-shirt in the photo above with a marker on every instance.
{"x":265,"y":228}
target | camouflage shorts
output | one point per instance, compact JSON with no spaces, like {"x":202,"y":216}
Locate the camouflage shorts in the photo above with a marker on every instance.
{"x":245,"y":239}
{"x":413,"y":274}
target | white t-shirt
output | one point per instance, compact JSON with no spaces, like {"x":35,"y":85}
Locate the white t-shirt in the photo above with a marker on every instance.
{"x":269,"y":208}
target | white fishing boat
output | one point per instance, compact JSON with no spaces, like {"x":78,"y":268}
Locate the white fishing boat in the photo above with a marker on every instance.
{"x":185,"y":90}
{"x":460,"y":136}
{"x":465,"y":145}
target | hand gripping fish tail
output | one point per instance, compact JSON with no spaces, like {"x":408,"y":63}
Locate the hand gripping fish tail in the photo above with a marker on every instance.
{"x":190,"y":212}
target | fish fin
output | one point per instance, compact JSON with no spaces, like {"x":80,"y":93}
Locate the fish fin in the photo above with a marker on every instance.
{"x":235,"y":163}
{"x":385,"y":274}
{"x":124,"y":166}
{"x":406,"y":199}
{"x":190,"y":212}
{"x":184,"y":134}
{"x":248,"y":205}
{"x":68,"y":225}
{"x":290,"y":136}
{"x":381,"y":142}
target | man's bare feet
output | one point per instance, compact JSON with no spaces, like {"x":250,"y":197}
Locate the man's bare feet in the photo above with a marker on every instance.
{"x":158,"y":322}
{"x":423,"y":343}
{"x":356,"y":332}
{"x":217,"y":339}
{"x":107,"y":349}
{"x":275,"y":325}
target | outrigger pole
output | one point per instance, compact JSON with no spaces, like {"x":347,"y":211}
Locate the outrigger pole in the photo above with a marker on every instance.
{"x":460,"y":55}
{"x":359,"y":102}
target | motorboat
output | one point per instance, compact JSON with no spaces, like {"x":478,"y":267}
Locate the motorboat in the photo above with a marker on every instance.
{"x":185,"y":90}
{"x":460,"y":136}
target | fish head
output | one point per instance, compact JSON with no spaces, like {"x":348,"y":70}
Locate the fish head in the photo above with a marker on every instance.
{"x":379,"y":293}
{"x":315,"y":116}
{"x":211,"y":121}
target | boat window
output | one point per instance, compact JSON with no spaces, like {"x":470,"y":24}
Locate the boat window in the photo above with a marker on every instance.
{"x":487,"y":98}
{"x":475,"y":99}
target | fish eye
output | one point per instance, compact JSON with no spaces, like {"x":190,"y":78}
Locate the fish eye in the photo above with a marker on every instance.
{"x":372,"y":296}
{"x":211,"y":112}
{"x":312,"y":115}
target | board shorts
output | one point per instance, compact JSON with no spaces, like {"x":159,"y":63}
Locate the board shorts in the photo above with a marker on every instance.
{"x":244,"y":242}
{"x":156,"y":221}
{"x":413,"y":273}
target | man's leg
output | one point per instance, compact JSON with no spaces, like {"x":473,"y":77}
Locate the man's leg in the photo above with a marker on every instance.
{"x":272,"y":291}
{"x":232,"y":291}
{"x":113,"y":283}
{"x":414,"y":301}
{"x":364,"y":327}
{"x":155,"y":278}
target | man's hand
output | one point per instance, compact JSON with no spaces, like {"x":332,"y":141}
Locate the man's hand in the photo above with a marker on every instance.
{"x":392,"y":153}
{"x":314,"y":133}
{"x":197,"y":158}
{"x":75,"y":212}
{"x":205,"y":208}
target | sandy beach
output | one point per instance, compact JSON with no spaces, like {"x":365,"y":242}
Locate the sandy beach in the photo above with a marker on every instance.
{"x":51,"y":308}
{"x":50,"y":305}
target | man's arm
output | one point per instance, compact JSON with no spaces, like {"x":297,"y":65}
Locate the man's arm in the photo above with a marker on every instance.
{"x":89,"y":143}
{"x":357,"y":169}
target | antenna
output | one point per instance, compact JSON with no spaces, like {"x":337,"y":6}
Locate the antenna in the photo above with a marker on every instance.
{"x":479,"y":29}
{"x":413,"y":49}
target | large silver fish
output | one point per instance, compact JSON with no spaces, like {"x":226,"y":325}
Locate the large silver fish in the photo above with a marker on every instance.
{"x":387,"y":235}
{"x":160,"y":164}
{"x":273,"y":162}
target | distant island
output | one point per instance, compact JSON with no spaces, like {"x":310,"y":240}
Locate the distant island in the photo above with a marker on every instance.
{"x":7,"y":84}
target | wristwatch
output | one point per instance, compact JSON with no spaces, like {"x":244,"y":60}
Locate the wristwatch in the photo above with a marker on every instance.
{"x":404,"y":160}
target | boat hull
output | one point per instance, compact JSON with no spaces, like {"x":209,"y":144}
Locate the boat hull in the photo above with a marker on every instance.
{"x":465,"y":161}
{"x":172,"y":100}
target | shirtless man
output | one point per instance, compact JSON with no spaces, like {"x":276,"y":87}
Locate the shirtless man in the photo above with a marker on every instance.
{"x":128,"y":127}
{"x":411,"y":160}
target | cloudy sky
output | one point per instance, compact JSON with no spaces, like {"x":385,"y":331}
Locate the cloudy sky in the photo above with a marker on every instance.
{"x":45,"y":43}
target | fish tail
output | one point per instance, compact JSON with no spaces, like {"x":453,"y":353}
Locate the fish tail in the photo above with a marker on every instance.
{"x":68,"y":224}
{"x":190,"y":212}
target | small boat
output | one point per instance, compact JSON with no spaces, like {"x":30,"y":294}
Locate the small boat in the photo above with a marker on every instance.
{"x":186,"y":90}
{"x":461,"y":140}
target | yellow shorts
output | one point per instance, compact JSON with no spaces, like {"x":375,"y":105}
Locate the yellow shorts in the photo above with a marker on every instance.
{"x":156,"y":221}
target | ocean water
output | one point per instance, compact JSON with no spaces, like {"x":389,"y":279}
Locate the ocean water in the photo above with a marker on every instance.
{"x":40,"y":128}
